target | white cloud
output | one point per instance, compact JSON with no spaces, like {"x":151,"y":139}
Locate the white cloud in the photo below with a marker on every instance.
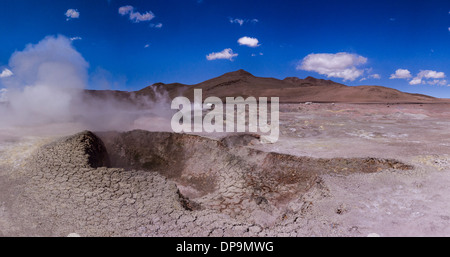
{"x":238,"y":21}
{"x":158,"y":26}
{"x":226,"y":54}
{"x":242,"y":21}
{"x":124,"y":10}
{"x":340,"y":65}
{"x":401,"y":74}
{"x":431,"y":74}
{"x":75,"y":38}
{"x":138,"y":17}
{"x":257,"y":54}
{"x":372,"y":76}
{"x":415,"y":81}
{"x":437,"y":82}
{"x":249,"y":41}
{"x":135,"y":16}
{"x":429,"y":77}
{"x":72,"y":14}
{"x":147,"y":46}
{"x":6,"y":73}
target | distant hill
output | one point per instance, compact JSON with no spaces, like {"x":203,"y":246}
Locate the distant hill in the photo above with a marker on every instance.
{"x":289,"y":90}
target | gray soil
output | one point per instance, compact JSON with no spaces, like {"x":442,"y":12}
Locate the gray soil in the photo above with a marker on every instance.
{"x":337,"y":170}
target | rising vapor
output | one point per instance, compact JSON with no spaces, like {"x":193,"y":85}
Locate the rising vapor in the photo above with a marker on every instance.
{"x":48,"y":86}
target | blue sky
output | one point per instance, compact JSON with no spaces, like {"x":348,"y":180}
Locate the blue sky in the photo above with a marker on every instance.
{"x":398,"y":44}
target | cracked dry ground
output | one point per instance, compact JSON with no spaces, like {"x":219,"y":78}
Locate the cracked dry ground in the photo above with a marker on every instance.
{"x":143,"y":183}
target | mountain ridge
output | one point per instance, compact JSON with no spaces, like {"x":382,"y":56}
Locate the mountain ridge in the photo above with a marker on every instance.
{"x":289,"y":90}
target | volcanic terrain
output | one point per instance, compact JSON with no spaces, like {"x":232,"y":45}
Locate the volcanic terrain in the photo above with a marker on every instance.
{"x":350,"y":161}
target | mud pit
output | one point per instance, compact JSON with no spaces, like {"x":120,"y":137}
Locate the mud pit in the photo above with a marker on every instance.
{"x":226,"y":176}
{"x":143,"y":183}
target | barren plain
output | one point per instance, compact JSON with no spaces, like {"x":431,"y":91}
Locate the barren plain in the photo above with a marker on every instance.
{"x":338,"y":169}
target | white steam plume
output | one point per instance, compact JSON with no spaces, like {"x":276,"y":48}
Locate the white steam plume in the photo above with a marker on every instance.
{"x":47,"y":78}
{"x":48,"y":87}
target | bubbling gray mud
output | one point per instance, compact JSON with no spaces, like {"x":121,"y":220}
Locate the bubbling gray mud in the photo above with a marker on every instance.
{"x":143,"y":183}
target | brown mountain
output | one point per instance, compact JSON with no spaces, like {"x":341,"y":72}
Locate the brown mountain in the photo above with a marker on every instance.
{"x":289,"y":90}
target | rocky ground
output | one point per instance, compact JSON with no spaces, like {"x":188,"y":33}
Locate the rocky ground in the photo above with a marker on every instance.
{"x":337,"y":170}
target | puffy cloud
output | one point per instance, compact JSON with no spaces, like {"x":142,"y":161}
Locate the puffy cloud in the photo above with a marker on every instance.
{"x":429,"y":77}
{"x":6,"y":73}
{"x":431,"y":74}
{"x":226,"y":54}
{"x":124,"y":10}
{"x":135,"y":16}
{"x":401,"y":74}
{"x":340,"y":65}
{"x":72,"y":14}
{"x":415,"y":81}
{"x":248,"y":41}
